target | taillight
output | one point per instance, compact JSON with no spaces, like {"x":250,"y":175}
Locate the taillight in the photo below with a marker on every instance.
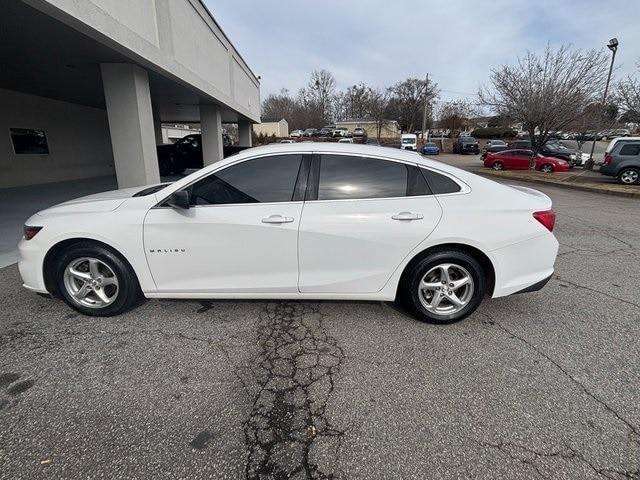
{"x":30,"y":232}
{"x":546,"y":218}
{"x":607,"y":159}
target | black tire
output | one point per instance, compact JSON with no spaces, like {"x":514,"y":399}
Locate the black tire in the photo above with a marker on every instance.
{"x":546,"y":168}
{"x":409,"y":293}
{"x":629,"y":173}
{"x":128,"y":293}
{"x":497,"y":166}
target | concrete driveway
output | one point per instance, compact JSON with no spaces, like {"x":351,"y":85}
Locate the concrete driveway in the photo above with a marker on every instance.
{"x":537,"y":385}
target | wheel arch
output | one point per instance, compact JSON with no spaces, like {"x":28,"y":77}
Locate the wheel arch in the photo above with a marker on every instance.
{"x":48,"y":272}
{"x":487,"y":265}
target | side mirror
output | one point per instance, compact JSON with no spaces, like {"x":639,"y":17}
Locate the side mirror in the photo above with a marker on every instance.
{"x":179,"y":199}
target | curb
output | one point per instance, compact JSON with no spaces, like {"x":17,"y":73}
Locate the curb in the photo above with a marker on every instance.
{"x":571,"y":186}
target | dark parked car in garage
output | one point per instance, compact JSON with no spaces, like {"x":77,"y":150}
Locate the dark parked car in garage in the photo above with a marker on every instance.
{"x":187,"y":153}
{"x":466,"y":145}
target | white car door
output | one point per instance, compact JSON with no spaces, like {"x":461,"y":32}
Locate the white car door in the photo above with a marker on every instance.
{"x":238,"y":236}
{"x":363,"y":218}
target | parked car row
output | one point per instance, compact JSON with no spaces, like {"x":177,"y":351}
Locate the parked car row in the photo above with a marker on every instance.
{"x":329,"y":131}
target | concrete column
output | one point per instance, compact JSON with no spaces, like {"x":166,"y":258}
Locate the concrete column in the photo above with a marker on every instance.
{"x":126,"y":93}
{"x":244,"y":133}
{"x":157,"y":130}
{"x":211,"y":126}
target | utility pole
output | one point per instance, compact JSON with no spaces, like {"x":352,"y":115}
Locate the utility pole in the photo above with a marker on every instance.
{"x":613,"y":46}
{"x":424,"y":112}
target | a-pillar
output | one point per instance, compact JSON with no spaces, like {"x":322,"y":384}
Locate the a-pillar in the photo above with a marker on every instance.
{"x":128,"y":101}
{"x":211,"y":126}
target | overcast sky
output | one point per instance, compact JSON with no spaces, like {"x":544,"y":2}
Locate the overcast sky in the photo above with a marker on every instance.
{"x":380,"y":42}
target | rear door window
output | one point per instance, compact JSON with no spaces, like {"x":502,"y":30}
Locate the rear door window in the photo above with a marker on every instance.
{"x":630,"y":149}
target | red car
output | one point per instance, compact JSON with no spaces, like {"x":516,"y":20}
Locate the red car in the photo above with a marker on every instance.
{"x":519,"y":160}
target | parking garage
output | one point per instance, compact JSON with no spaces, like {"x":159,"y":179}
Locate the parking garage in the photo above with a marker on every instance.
{"x":85,"y":87}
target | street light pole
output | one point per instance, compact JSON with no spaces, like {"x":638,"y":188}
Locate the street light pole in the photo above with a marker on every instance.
{"x":424,"y":112}
{"x":613,"y":46}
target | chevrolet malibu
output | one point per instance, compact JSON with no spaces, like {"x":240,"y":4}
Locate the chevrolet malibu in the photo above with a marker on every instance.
{"x":298,"y":221}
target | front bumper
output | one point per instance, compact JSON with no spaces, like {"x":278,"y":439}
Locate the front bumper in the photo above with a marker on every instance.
{"x":30,"y":261}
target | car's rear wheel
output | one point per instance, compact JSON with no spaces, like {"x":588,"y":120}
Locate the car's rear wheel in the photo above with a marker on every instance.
{"x":546,"y":168}
{"x":630,"y":176}
{"x":96,"y":281}
{"x":444,"y":287}
{"x":497,"y":166}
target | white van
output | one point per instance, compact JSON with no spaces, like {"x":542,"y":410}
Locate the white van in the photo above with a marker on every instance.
{"x":408,"y":141}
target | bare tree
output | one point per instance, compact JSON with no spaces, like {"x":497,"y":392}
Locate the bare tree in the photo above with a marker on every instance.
{"x":547,"y":92}
{"x":378,"y":109}
{"x":357,"y":99}
{"x":627,"y":93}
{"x":455,"y":115}
{"x":407,"y":102}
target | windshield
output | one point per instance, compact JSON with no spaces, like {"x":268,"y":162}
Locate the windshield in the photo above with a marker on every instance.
{"x":152,"y":189}
{"x":467,"y":140}
{"x":497,"y":142}
{"x":430,"y":145}
{"x":408,"y":140}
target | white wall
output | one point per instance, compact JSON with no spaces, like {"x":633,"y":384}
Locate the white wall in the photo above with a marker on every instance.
{"x":78,"y":138}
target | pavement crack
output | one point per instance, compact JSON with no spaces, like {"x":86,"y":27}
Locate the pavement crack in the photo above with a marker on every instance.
{"x":594,"y":290}
{"x":634,"y":430}
{"x":294,"y":370}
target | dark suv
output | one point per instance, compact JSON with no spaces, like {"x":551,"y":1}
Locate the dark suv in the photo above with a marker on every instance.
{"x":466,"y":145}
{"x":623,"y":162}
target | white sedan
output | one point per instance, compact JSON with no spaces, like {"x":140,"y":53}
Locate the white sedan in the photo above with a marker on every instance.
{"x":302,"y":221}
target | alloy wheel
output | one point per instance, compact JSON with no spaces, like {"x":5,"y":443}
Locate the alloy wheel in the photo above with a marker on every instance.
{"x":629,"y":177}
{"x":446,"y":289}
{"x":497,"y":166}
{"x":546,"y":168}
{"x":91,"y":282}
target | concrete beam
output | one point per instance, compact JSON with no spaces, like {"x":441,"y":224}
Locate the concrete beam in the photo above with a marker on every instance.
{"x":128,"y":100}
{"x":211,"y":126}
{"x":244,"y":133}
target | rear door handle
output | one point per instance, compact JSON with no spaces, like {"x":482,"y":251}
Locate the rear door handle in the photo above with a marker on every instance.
{"x":277,"y":219}
{"x":408,"y":216}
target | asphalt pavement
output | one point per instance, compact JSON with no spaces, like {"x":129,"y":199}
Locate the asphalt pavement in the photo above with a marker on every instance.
{"x":540,"y":385}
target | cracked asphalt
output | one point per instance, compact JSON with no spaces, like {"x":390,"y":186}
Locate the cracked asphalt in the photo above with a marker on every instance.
{"x":542,"y":385}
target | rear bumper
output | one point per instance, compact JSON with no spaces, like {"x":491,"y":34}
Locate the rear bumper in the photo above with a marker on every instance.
{"x":608,"y":170}
{"x":536,"y":286}
{"x":524,"y":265}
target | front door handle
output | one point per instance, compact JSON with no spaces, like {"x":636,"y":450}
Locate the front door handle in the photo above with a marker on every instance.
{"x":408,"y":216}
{"x":277,"y":219}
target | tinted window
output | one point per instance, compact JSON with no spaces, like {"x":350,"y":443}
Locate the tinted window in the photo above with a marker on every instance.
{"x":27,"y":141}
{"x":630,"y":149}
{"x":343,"y":177}
{"x":438,"y":183}
{"x":268,"y":179}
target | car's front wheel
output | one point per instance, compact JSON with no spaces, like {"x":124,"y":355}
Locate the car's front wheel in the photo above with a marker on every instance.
{"x":444,"y":287}
{"x":497,"y":166}
{"x":96,"y":281}
{"x":546,"y":168}
{"x":630,"y":176}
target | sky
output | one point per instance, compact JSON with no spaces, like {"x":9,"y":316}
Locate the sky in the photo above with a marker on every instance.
{"x":456,"y":42}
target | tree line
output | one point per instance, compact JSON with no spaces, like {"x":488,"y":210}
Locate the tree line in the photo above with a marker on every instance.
{"x":320,"y":103}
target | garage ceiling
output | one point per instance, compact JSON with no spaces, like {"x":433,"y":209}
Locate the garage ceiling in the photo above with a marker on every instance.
{"x":42,"y":56}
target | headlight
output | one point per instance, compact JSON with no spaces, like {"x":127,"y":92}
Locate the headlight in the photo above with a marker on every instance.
{"x":572,"y":156}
